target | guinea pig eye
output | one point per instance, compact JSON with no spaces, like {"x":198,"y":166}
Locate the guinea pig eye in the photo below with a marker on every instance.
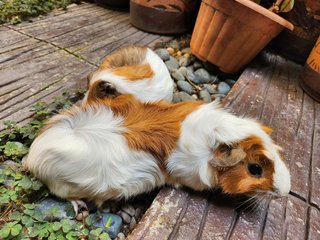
{"x":255,"y":170}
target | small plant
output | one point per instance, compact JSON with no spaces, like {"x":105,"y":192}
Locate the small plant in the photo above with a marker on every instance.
{"x":277,"y":6}
{"x":19,"y":217}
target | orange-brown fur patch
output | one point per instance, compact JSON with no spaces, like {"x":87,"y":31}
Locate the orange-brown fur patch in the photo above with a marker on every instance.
{"x":152,"y":127}
{"x":266,"y":129}
{"x":127,"y":56}
{"x":237,"y":179}
{"x":134,"y":72}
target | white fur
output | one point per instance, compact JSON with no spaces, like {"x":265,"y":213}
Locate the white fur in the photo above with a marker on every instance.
{"x":88,"y":151}
{"x":209,"y":126}
{"x":159,"y":87}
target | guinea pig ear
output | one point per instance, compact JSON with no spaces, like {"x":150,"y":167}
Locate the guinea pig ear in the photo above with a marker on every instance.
{"x":266,"y":129}
{"x":226,"y":155}
{"x":89,"y":79}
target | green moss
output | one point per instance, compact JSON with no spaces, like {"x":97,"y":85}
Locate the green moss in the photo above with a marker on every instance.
{"x":15,"y":11}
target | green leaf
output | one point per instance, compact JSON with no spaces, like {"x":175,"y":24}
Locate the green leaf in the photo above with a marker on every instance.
{"x":4,"y":233}
{"x":25,"y":183}
{"x":15,"y":216}
{"x":56,"y":226}
{"x":36,"y":185}
{"x":96,"y":232}
{"x":15,"y":230}
{"x":29,"y":206}
{"x":27,"y":221}
{"x":286,"y":5}
{"x":104,"y":236}
{"x":71,"y":236}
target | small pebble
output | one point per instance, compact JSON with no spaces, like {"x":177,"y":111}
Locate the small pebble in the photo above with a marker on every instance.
{"x":176,"y":97}
{"x":82,"y":215}
{"x":121,"y":236}
{"x":197,"y":65}
{"x":178,"y":54}
{"x":203,"y":75}
{"x":210,"y":88}
{"x":186,"y":55}
{"x":163,"y":54}
{"x":176,"y":74}
{"x":129,"y":209}
{"x":214,"y":79}
{"x":170,"y":50}
{"x":185,"y":86}
{"x":192,"y":77}
{"x":125,"y":217}
{"x":133,"y":223}
{"x":194,"y":96}
{"x":186,"y":50}
{"x":205,"y":96}
{"x":184,"y":62}
{"x":223,"y":88}
{"x":185,"y":97}
{"x":172,"y":63}
{"x":174,"y":44}
{"x":230,"y":82}
{"x":183,"y":71}
{"x":138,"y":213}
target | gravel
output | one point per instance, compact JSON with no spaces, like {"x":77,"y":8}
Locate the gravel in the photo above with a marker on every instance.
{"x":223,"y":88}
{"x":192,"y":77}
{"x":163,"y":54}
{"x":172,"y":64}
{"x":203,"y":75}
{"x":177,"y":75}
{"x":185,"y":87}
{"x":205,"y":96}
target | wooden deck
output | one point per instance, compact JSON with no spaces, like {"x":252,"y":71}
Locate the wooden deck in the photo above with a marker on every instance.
{"x":39,"y":59}
{"x":267,"y":90}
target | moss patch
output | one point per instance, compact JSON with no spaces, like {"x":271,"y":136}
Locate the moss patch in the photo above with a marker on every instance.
{"x":15,"y":11}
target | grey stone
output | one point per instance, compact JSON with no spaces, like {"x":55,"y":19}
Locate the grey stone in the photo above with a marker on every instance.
{"x":54,"y":209}
{"x":174,"y":44}
{"x":125,"y":217}
{"x":8,"y":183}
{"x":186,"y":50}
{"x":101,"y":220}
{"x":190,"y":68}
{"x":121,"y":236}
{"x":183,"y":71}
{"x":223,"y":88}
{"x":163,"y":54}
{"x":230,"y":82}
{"x":177,"y":75}
{"x":210,"y":88}
{"x":138,"y":213}
{"x":172,"y":63}
{"x":185,"y":86}
{"x":186,"y":97}
{"x":205,"y":96}
{"x":214,"y":79}
{"x":203,"y":75}
{"x":176,"y":97}
{"x":133,"y":223}
{"x":192,"y":77}
{"x":184,"y":61}
{"x":129,"y":209}
{"x":194,"y":96}
{"x":218,"y":95}
{"x":10,"y":164}
{"x":197,"y":65}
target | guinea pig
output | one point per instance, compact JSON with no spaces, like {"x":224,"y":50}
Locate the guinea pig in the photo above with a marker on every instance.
{"x":121,"y":147}
{"x":133,"y":70}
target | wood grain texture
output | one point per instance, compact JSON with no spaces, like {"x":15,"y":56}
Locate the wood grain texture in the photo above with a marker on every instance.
{"x":39,"y":59}
{"x":268,"y":90}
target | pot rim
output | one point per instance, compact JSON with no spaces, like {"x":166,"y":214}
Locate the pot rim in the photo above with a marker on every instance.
{"x":263,"y":11}
{"x":267,"y":13}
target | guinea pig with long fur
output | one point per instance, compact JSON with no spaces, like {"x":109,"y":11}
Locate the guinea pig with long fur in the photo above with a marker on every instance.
{"x":133,"y":70}
{"x":121,"y":147}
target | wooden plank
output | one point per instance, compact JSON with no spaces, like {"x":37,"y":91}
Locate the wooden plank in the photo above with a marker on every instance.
{"x":314,"y":226}
{"x":315,"y":168}
{"x":189,"y":223}
{"x":161,"y":217}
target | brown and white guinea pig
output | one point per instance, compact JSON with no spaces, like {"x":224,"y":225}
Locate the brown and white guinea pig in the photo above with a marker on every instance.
{"x":121,"y":147}
{"x":133,"y":70}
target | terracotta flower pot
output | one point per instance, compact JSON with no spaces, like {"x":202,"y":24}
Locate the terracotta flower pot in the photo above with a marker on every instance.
{"x":230,"y":33}
{"x":310,"y":80}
